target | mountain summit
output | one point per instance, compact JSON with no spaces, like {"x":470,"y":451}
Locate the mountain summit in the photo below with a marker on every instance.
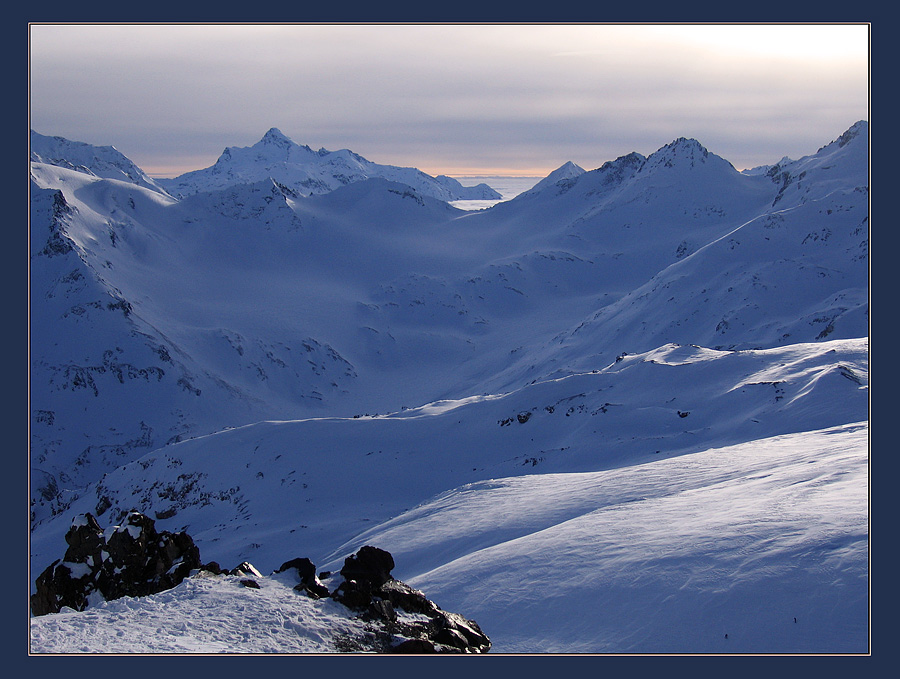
{"x":563,"y":173}
{"x":275,"y":137}
{"x":308,"y":172}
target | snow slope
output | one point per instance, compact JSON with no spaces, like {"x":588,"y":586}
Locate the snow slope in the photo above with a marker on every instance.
{"x":288,"y":373}
{"x":500,"y":479}
{"x":760,"y":547}
{"x":716,"y":552}
{"x":198,"y":616}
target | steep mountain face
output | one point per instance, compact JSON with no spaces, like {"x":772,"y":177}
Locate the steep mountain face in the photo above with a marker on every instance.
{"x":240,"y":349}
{"x":307,"y":172}
{"x":106,"y":385}
{"x":131,"y":349}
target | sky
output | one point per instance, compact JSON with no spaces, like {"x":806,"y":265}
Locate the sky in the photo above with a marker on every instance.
{"x":457,"y":99}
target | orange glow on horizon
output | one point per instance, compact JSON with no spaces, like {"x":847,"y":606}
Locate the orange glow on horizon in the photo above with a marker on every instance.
{"x":486,"y":172}
{"x":171,"y":171}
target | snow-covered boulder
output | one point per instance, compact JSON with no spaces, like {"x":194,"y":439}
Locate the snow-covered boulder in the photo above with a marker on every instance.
{"x":132,"y":559}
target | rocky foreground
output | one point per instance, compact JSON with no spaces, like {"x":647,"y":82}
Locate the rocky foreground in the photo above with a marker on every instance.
{"x":134,"y":560}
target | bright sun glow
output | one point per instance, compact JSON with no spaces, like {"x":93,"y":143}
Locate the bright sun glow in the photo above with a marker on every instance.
{"x":807,"y":41}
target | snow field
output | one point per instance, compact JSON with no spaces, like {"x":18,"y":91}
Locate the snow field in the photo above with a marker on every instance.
{"x":664,"y":557}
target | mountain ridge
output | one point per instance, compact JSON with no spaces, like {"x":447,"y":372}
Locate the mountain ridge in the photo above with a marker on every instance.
{"x":277,"y":370}
{"x":308,"y":172}
{"x":466,"y":296}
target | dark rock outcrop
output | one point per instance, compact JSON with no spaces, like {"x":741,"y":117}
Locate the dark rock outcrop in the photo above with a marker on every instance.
{"x":370,"y":566}
{"x":306,"y":573}
{"x":132,"y":559}
{"x":369,"y":588}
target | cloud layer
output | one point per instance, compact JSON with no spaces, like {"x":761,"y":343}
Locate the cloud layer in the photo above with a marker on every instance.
{"x":455,"y":99}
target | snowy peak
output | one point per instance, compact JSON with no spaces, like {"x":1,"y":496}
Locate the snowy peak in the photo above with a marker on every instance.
{"x":275,"y":137}
{"x":105,"y":162}
{"x":622,"y":168}
{"x":570,"y":176}
{"x":563,"y":173}
{"x":307,"y":172}
{"x":276,"y":140}
{"x":858,"y":129}
{"x":274,"y":147}
{"x":844,"y":164}
{"x":684,"y":153}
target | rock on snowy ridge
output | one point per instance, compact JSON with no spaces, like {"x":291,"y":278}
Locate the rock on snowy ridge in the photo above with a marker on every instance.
{"x":134,"y":560}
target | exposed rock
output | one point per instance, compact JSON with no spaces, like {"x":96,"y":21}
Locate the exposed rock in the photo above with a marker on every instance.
{"x":305,"y":568}
{"x":403,"y":596}
{"x":306,"y":573}
{"x":132,"y":559}
{"x":370,"y":565}
{"x":369,"y":588}
{"x":245,"y":568}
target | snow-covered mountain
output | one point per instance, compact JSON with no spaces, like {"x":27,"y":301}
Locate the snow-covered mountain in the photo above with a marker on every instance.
{"x":307,"y":172}
{"x":276,"y":369}
{"x":565,"y":173}
{"x":98,"y":161}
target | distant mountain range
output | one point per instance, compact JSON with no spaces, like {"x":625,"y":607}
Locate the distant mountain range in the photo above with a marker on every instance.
{"x":291,"y":349}
{"x":306,"y":172}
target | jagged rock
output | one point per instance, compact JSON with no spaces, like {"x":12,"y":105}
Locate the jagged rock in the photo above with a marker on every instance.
{"x":369,"y":588}
{"x":132,"y":559}
{"x":306,"y":572}
{"x":370,"y":565}
{"x":56,"y":587}
{"x":245,"y":568}
{"x":383,"y":610}
{"x":352,"y":595}
{"x":305,"y":568}
{"x":85,"y":540}
{"x":403,"y":596}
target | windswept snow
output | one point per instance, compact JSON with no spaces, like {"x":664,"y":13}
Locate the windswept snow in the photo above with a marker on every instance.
{"x":760,"y":547}
{"x":668,"y":556}
{"x":204,"y":614}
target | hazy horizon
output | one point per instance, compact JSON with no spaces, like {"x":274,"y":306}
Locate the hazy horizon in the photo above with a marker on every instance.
{"x":454,"y":99}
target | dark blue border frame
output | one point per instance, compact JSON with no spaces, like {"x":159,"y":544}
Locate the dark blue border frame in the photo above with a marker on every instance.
{"x":14,"y":346}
